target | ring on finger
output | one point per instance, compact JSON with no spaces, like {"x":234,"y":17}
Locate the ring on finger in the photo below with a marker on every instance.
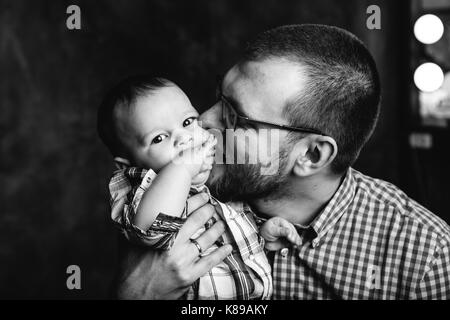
{"x":200,"y":250}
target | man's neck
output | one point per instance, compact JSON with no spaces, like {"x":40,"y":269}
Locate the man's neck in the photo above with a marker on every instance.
{"x":302,"y":200}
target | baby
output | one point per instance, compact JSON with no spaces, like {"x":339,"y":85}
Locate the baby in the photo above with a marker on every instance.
{"x":163,"y":156}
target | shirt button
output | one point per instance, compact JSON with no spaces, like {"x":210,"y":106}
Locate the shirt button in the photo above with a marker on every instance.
{"x":251,"y":257}
{"x":284,"y":252}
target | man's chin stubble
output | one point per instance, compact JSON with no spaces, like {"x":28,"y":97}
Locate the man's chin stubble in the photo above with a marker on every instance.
{"x":243,"y":182}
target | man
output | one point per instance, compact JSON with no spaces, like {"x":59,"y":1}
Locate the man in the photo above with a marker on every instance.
{"x":362,"y":238}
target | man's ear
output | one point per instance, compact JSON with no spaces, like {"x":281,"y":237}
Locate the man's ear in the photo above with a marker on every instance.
{"x":313,"y":154}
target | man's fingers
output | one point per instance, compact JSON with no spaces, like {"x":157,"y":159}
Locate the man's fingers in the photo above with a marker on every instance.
{"x":196,"y":201}
{"x":206,"y":263}
{"x":207,"y":239}
{"x":194,"y":222}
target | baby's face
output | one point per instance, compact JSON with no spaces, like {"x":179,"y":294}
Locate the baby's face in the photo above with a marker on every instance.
{"x":158,"y":127}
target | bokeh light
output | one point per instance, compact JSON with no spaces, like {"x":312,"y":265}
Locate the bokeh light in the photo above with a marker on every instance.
{"x":428,"y":29}
{"x":428,"y":77}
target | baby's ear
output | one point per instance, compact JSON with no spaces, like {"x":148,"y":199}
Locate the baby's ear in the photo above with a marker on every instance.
{"x":121,"y":163}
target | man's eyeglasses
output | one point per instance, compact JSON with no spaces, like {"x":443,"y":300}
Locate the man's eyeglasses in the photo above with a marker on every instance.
{"x":231,"y":119}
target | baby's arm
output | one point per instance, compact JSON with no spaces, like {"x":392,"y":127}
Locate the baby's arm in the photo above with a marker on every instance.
{"x":276,"y":231}
{"x":168,"y":192}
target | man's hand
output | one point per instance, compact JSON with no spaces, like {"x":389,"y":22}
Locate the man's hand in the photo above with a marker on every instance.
{"x":149,"y":274}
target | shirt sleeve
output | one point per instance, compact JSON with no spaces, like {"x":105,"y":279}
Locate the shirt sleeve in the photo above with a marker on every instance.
{"x":127,"y":188}
{"x":435,"y":284}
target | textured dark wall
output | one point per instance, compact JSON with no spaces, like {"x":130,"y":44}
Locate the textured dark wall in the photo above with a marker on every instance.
{"x":53,"y":169}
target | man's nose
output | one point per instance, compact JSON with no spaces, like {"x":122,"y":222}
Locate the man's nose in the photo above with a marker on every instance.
{"x":212,"y":118}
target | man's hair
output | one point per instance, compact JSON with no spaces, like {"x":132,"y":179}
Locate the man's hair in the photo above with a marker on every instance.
{"x":123,"y":95}
{"x":342,"y":94}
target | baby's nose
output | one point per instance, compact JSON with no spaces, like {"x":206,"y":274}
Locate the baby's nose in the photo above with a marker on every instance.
{"x":183,"y":139}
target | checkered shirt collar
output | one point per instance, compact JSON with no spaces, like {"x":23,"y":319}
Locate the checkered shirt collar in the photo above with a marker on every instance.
{"x":335,"y":208}
{"x":329,"y":216}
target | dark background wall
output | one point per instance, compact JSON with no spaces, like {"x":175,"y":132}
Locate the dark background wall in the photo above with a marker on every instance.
{"x":54,"y":170}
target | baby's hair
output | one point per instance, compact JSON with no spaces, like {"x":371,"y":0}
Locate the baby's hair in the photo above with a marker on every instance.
{"x":123,"y":95}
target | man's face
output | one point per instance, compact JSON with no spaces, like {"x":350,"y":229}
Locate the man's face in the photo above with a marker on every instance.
{"x":259,"y":91}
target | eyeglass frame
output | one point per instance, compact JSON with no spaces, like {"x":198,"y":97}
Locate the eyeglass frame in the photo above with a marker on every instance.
{"x":229,"y":106}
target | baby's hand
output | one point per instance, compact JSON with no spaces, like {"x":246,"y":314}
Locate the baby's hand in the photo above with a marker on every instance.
{"x":200,"y":158}
{"x":276,"y":231}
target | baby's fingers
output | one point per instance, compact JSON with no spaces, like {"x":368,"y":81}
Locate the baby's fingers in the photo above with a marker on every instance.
{"x":290,"y":234}
{"x":283,"y":232}
{"x":211,"y":142}
{"x":209,"y":160}
{"x":294,"y":238}
{"x":274,"y":245}
{"x":207,"y":164}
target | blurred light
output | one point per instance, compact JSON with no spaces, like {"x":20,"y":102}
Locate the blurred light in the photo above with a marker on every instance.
{"x":436,"y":104}
{"x":428,"y":29}
{"x":428,"y":77}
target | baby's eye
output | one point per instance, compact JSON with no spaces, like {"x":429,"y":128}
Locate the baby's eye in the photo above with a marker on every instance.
{"x":189,"y":121}
{"x":158,"y":139}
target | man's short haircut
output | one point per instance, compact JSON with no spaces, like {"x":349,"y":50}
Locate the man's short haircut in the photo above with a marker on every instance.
{"x":342,"y":94}
{"x":123,"y":95}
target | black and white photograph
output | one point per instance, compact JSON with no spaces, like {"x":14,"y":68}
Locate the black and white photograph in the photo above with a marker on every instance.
{"x":220,"y":150}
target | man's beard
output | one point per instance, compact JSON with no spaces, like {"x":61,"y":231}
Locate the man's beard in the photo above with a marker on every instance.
{"x":245,"y":182}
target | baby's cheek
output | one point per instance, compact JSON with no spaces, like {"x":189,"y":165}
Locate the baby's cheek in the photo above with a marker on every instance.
{"x":161,"y":157}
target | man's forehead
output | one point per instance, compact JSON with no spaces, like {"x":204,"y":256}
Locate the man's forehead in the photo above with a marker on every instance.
{"x":267,"y":83}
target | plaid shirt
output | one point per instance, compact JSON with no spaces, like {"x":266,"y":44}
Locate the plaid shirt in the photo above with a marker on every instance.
{"x":244,"y":274}
{"x":370,"y":242}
